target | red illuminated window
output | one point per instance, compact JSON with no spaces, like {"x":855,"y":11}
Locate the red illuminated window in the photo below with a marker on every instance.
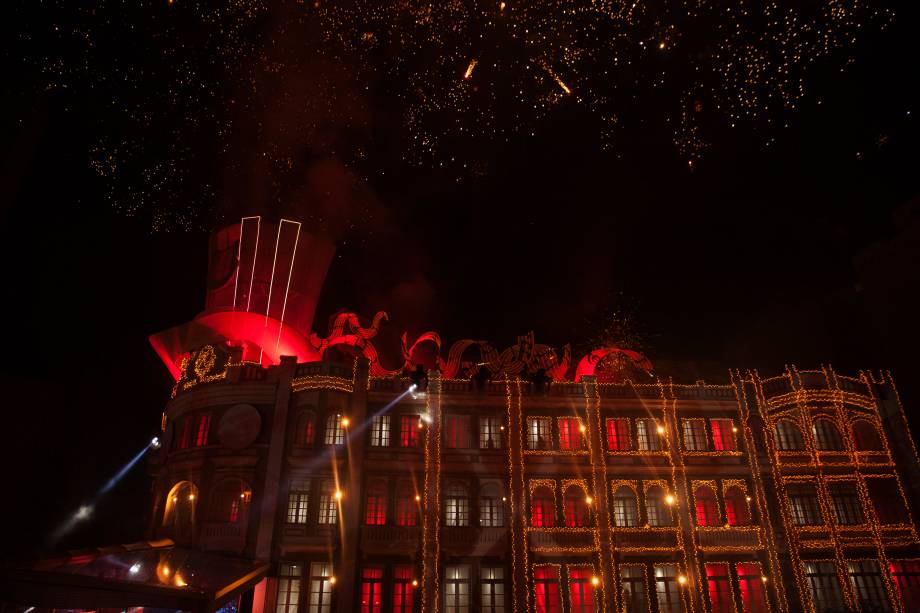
{"x":408,"y":430}
{"x":375,"y":506}
{"x":887,"y":501}
{"x":736,"y":507}
{"x":576,"y":508}
{"x":906,"y":575}
{"x":372,"y":590}
{"x":226,"y":501}
{"x":707,"y":507}
{"x":204,"y":425}
{"x":750,"y":582}
{"x":618,"y":438}
{"x":457,"y":432}
{"x":403,"y":591}
{"x":720,"y":595}
{"x":865,"y":436}
{"x":406,"y":504}
{"x":581,"y":592}
{"x":305,"y":430}
{"x":542,"y":508}
{"x":546,"y":589}
{"x":570,"y":435}
{"x":723,"y":435}
{"x":184,"y":435}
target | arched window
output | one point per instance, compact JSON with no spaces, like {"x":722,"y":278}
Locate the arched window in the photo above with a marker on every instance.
{"x":456,"y":505}
{"x":827,"y":438}
{"x":305,"y":429}
{"x":491,"y":509}
{"x":180,"y":506}
{"x":737,"y":512}
{"x":865,"y":436}
{"x":788,"y":436}
{"x":707,"y":506}
{"x":625,"y":508}
{"x":542,"y":508}
{"x":657,"y":511}
{"x":227,"y":501}
{"x":375,"y":503}
{"x":575,"y":503}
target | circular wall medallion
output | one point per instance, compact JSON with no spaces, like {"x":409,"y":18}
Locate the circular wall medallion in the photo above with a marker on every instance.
{"x":239,"y":427}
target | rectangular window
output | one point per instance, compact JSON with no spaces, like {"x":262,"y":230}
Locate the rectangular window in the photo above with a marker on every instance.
{"x":571,"y":433}
{"x":847,"y":509}
{"x":887,"y":501}
{"x":319,"y":599}
{"x":618,"y":438}
{"x":719,"y":586}
{"x":490,"y":433}
{"x":403,"y":590}
{"x":375,"y":504}
{"x":723,"y":435}
{"x":184,"y":435}
{"x":328,"y":505}
{"x":457,"y":589}
{"x":492,"y":585}
{"x":456,"y":507}
{"x":457,"y":431}
{"x":406,"y":504}
{"x":647,"y":436}
{"x":288,"y":589}
{"x":380,"y":431}
{"x":335,"y":433}
{"x":204,"y":427}
{"x":635,"y":591}
{"x":408,"y":430}
{"x":824,"y":586}
{"x":866,"y":579}
{"x":546,"y":589}
{"x":491,"y":511}
{"x":372,"y":590}
{"x":750,"y":582}
{"x":694,"y":431}
{"x":581,"y":592}
{"x":906,"y":575}
{"x":803,"y":502}
{"x":667,"y":590}
{"x":298,"y":496}
{"x":539,"y":433}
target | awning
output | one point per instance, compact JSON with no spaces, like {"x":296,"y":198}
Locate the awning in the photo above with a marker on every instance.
{"x":154,"y":574}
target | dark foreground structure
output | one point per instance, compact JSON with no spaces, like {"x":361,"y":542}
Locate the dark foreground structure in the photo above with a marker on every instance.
{"x":297,"y":475}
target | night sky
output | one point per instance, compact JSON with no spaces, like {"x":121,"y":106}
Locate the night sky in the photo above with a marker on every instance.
{"x":733,"y":224}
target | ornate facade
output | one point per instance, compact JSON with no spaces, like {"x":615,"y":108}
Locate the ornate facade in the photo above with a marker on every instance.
{"x":388,"y":494}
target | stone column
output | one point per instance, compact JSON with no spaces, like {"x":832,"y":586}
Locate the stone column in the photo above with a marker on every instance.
{"x":431,"y":501}
{"x":351,"y":505}
{"x":518,"y":498}
{"x":269,"y":499}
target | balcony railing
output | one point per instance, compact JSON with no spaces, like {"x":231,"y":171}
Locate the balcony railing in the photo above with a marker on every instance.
{"x":478,"y":541}
{"x":648,"y":539}
{"x":559,"y":539}
{"x":383,"y":539}
{"x":738,"y":537}
{"x":220,"y":536}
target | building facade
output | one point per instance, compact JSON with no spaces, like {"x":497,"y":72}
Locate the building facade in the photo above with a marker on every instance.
{"x":447,"y":495}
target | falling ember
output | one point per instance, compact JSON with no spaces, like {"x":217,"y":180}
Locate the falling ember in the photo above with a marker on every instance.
{"x":556,"y":78}
{"x":469,"y":69}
